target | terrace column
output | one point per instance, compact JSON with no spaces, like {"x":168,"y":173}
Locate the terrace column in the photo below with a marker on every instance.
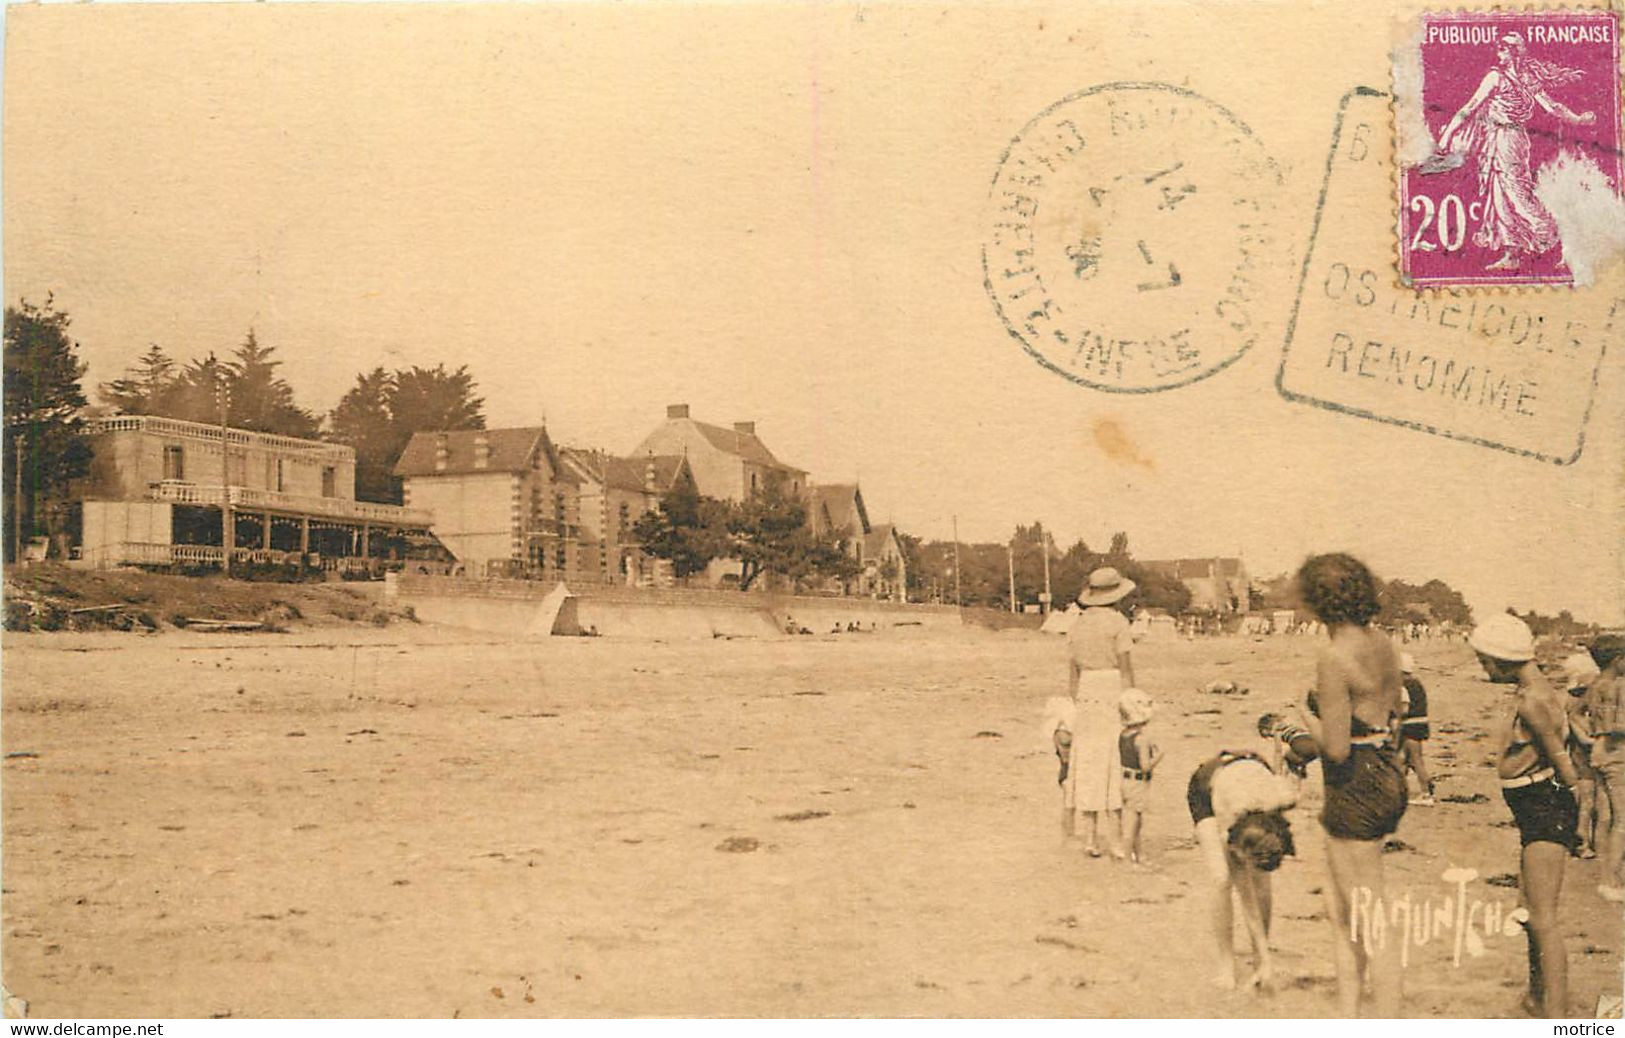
{"x":304,"y":542}
{"x":265,"y":529}
{"x":366,"y":537}
{"x":228,"y":535}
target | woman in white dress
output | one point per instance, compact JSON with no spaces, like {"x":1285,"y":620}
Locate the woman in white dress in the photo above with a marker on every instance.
{"x":1100,"y":667}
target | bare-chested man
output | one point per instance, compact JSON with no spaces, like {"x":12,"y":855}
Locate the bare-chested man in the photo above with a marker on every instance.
{"x":1537,"y":782}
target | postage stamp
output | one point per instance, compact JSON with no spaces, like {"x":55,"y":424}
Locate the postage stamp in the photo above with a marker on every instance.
{"x":1515,"y":372}
{"x":1130,"y":229}
{"x":1508,"y":172}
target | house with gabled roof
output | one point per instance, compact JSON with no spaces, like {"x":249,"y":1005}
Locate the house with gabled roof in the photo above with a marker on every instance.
{"x":837,"y":508}
{"x":613,"y":493}
{"x":885,"y":570}
{"x":1219,"y":585}
{"x":502,"y":500}
{"x":727,"y":463}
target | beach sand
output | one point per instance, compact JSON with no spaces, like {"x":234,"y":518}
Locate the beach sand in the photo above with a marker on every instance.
{"x":421,"y":822}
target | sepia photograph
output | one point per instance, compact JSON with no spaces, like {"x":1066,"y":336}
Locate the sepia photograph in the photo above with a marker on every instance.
{"x":689,"y":509}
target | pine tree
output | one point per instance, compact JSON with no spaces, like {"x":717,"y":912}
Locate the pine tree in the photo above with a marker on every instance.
{"x":262,"y":401}
{"x":146,"y":388}
{"x":363,"y":421}
{"x":43,"y":398}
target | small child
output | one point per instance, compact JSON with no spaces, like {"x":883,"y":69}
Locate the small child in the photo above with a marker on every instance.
{"x":1138,"y":756}
{"x":1575,"y":675}
{"x":1059,"y":716}
{"x":1416,"y":729}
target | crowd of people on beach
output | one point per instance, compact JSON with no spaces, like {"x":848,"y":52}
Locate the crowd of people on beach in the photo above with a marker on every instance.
{"x":1560,"y":763}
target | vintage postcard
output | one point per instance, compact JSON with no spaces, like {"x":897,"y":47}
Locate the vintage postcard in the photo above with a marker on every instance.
{"x":813,"y":510}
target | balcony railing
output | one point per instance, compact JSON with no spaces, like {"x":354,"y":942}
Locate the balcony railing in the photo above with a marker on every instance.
{"x":132,"y":553}
{"x":175,"y":427}
{"x":252,"y":499}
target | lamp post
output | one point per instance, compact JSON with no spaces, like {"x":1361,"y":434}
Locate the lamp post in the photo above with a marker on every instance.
{"x":228,"y":521}
{"x":17,"y":501}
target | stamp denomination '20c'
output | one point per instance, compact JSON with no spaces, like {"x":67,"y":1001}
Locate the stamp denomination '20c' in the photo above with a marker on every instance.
{"x":1130,"y":235}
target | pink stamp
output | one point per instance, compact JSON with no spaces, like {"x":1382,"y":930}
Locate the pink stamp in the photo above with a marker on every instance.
{"x":1510,"y":146}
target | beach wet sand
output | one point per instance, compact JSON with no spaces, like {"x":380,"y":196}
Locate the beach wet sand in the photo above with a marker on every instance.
{"x":423,"y":822}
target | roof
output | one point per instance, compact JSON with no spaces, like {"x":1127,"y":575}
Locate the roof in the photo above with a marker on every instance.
{"x":624,"y":473}
{"x":636,"y":473}
{"x":874,"y":542}
{"x":511,"y":450}
{"x":741,"y":444}
{"x":843,"y":503}
{"x":1188,"y":569}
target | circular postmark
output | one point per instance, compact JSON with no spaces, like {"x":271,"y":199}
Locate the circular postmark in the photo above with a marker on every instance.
{"x":1130,"y":231}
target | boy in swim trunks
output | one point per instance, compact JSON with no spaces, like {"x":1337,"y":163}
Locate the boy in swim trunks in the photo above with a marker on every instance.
{"x":1237,"y":805}
{"x":1138,"y":757}
{"x":1416,"y":729}
{"x":1537,"y":780}
{"x":1575,"y":675}
{"x":1605,"y":702}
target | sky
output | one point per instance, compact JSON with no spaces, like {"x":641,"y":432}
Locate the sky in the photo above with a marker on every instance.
{"x":767,"y":214}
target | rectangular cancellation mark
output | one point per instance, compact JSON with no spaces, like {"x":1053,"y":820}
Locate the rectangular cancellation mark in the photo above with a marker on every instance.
{"x":1516,"y":373}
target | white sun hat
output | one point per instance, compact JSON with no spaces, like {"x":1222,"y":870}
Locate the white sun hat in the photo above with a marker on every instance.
{"x":1504,"y":637}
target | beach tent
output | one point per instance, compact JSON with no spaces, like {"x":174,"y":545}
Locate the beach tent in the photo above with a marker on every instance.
{"x":1059,"y":621}
{"x":556,"y":614}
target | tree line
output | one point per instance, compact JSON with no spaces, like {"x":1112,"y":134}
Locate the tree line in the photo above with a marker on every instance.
{"x":1401,"y":602}
{"x":985,"y":571}
{"x":376,"y":416}
{"x":767,"y":533}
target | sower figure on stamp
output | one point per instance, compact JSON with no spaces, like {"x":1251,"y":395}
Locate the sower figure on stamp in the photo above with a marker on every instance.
{"x":1537,"y":783}
{"x":1492,"y":126}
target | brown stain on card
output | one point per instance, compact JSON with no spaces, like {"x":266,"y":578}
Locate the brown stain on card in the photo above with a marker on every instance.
{"x":1115,"y":443}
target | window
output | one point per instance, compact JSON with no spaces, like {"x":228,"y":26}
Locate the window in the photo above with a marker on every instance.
{"x":330,"y":481}
{"x":174,"y":462}
{"x":278,"y":485}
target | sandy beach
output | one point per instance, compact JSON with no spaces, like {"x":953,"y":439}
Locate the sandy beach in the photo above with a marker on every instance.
{"x":417,"y":821}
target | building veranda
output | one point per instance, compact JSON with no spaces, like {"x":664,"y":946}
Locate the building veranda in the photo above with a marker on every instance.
{"x":166,"y":492}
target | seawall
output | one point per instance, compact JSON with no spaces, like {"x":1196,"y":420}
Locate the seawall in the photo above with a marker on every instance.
{"x":518,"y":608}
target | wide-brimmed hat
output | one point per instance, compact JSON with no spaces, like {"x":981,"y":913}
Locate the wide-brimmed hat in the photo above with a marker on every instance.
{"x":1504,"y":637}
{"x":1105,"y":586}
{"x":1134,"y":706}
{"x":1407,"y":663}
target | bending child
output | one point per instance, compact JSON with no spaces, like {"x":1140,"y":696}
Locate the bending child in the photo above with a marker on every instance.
{"x":1237,"y":805}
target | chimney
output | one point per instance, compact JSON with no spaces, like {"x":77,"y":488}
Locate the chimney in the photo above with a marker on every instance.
{"x":676,"y":411}
{"x":442,"y":451}
{"x":649,"y":476}
{"x":745,"y":428}
{"x":482,"y":451}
